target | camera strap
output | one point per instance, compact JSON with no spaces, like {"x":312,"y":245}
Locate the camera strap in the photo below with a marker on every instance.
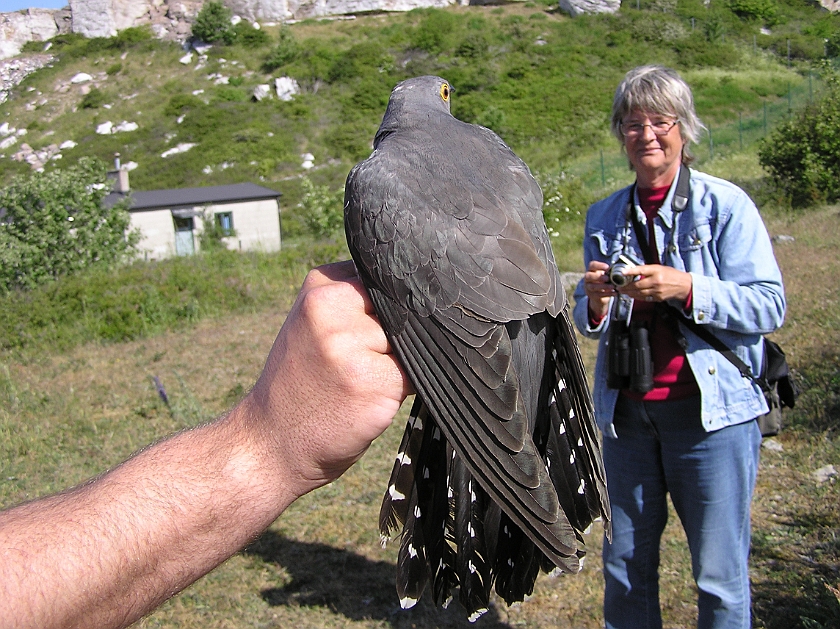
{"x":678,"y":203}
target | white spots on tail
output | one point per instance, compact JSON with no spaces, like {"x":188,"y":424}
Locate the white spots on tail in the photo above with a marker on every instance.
{"x":477,"y":614}
{"x":408,"y":603}
{"x":582,"y":486}
{"x":403,"y":459}
{"x":412,"y":552}
{"x":572,"y":458}
{"x":395,"y":495}
{"x":417,"y":511}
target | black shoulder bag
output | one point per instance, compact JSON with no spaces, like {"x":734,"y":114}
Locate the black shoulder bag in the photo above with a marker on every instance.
{"x":775,"y":379}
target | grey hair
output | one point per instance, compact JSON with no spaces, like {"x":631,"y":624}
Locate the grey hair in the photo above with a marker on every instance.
{"x":657,"y":90}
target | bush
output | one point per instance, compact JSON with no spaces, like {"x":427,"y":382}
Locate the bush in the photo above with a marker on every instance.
{"x":323,"y":211}
{"x":212,"y":24}
{"x":284,"y":52}
{"x":802,"y":156}
{"x":94,"y":99}
{"x":764,"y":10}
{"x":54,"y":224}
{"x":250,"y":37}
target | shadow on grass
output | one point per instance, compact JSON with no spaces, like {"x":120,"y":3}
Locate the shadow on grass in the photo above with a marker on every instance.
{"x":352,"y":585}
{"x":789,"y":589}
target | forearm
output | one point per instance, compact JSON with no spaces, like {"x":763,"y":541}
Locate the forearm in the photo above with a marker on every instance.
{"x":106,"y":553}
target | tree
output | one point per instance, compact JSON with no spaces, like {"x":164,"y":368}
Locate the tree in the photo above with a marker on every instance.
{"x":212,"y":24}
{"x":55,"y":223}
{"x":802,"y":156}
{"x":323,"y":211}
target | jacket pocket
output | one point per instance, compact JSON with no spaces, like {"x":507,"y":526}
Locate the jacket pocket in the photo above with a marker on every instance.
{"x":607,"y":244}
{"x":695,"y":238}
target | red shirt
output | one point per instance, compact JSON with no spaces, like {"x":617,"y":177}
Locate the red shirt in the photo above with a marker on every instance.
{"x":672,"y":377}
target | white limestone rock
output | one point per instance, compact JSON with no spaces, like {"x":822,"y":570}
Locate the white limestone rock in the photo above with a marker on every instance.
{"x":262,"y":91}
{"x":286,"y":88}
{"x":19,"y":27}
{"x":125,"y":126}
{"x":181,"y":148}
{"x":579,"y":7}
{"x":81,"y":77}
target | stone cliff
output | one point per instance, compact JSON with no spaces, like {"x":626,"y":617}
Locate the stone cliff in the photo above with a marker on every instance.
{"x":171,"y":19}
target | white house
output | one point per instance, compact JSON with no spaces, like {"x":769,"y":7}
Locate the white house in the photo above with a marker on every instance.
{"x":170,"y":221}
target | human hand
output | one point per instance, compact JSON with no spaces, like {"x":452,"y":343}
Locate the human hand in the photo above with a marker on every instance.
{"x":657,"y":282}
{"x":599,"y":290}
{"x":330,"y":385}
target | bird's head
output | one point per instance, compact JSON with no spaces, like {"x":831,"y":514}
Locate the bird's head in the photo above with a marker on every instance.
{"x":413,"y":100}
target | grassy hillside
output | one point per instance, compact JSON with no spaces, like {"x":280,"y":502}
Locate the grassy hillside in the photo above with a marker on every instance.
{"x":539,"y":78}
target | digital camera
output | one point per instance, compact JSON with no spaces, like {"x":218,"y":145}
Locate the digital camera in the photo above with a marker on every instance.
{"x":616,"y":271}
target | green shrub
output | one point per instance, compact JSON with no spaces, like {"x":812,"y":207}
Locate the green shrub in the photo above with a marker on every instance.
{"x":250,"y":37}
{"x":130,"y":37}
{"x":434,"y":29}
{"x":114,"y":68}
{"x":764,"y":10}
{"x":802,"y":156}
{"x":322,"y":211}
{"x":180,"y":103}
{"x":55,"y":224}
{"x":284,"y":52}
{"x":212,"y":234}
{"x":94,"y":99}
{"x":212,"y":24}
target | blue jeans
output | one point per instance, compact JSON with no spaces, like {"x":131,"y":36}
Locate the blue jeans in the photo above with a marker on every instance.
{"x":662,"y":448}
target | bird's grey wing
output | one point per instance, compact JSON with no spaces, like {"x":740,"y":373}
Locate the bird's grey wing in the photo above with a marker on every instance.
{"x":443,"y":292}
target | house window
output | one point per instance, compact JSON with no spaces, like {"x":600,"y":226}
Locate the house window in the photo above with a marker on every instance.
{"x":225,"y":222}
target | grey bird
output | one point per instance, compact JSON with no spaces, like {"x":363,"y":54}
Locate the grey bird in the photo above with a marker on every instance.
{"x":499,"y":471}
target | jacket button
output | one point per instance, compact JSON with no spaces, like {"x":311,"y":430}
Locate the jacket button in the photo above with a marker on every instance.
{"x":711,"y":371}
{"x":701,"y":315}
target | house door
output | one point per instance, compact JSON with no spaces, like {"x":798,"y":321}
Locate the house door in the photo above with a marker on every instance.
{"x":184,"y":243}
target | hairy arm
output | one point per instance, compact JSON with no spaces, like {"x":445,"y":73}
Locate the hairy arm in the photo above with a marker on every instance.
{"x":107,"y":552}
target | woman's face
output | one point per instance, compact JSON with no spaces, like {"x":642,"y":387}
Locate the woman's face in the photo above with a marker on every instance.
{"x":654,"y":147}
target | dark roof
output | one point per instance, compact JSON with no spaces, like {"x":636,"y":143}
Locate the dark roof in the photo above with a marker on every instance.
{"x":179,"y":197}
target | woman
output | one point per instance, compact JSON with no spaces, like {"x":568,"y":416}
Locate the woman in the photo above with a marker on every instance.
{"x":682,"y":423}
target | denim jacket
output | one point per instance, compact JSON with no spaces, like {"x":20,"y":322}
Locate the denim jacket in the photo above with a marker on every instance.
{"x":737,"y":289}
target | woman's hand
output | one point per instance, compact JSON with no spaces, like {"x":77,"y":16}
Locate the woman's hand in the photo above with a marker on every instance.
{"x":656,"y":282}
{"x":598,"y":289}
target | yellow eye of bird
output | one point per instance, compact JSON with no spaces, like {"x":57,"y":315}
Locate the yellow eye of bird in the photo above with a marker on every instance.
{"x":444,"y":92}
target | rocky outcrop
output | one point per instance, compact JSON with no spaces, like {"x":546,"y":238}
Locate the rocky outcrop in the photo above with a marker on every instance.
{"x":579,"y":7}
{"x":20,"y":27}
{"x":172,"y":19}
{"x":13,"y":71}
{"x":276,"y":10}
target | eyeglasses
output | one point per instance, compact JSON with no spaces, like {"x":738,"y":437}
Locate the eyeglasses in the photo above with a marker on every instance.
{"x":635,"y":129}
